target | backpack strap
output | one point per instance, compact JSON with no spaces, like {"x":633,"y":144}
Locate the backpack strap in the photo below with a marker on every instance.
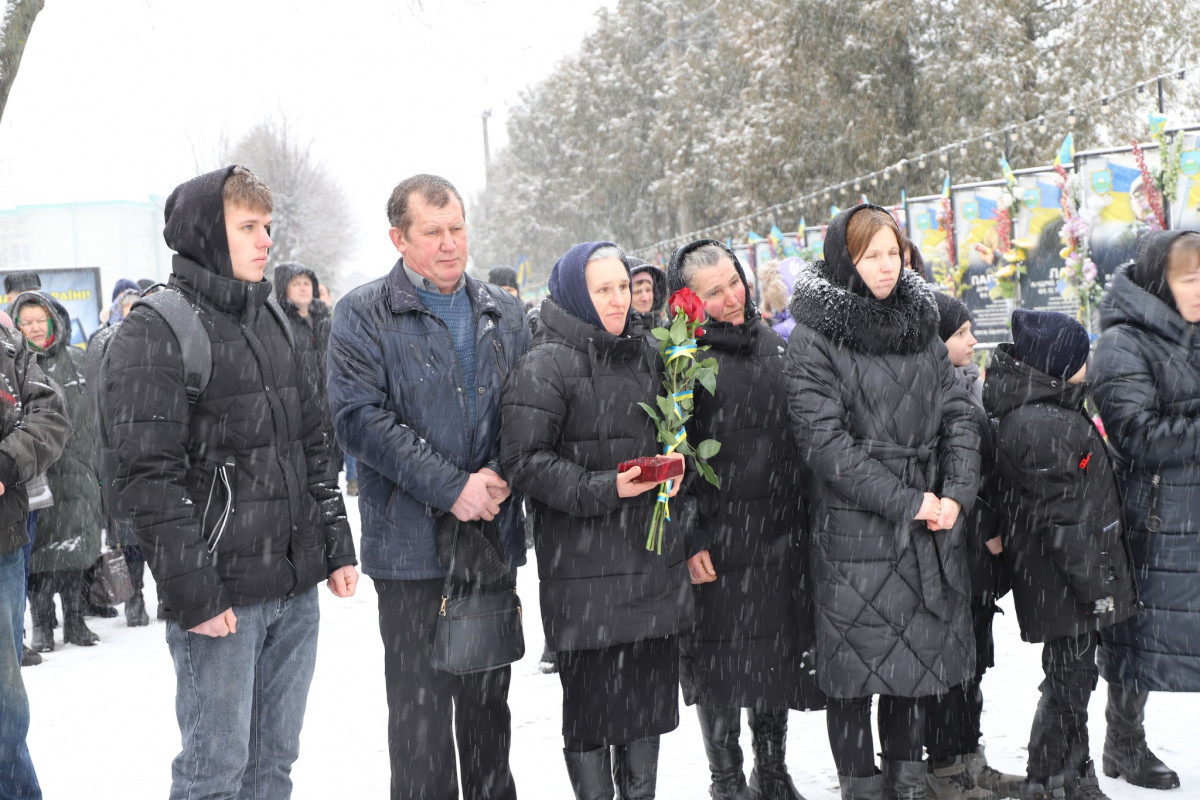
{"x":285,"y":323}
{"x":193,"y":340}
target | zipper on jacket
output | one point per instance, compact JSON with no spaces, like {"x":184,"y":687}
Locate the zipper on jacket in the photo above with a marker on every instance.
{"x":220,"y":475}
{"x":1153,"y":522}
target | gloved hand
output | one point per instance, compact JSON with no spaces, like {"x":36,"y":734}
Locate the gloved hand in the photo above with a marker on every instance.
{"x":1104,"y":605}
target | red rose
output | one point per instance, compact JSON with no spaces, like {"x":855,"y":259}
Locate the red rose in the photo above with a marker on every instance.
{"x":685,"y":300}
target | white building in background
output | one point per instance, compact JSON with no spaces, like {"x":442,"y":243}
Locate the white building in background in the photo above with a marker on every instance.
{"x":121,"y":237}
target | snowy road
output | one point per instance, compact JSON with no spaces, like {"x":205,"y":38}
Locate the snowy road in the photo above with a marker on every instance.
{"x":127,"y":679}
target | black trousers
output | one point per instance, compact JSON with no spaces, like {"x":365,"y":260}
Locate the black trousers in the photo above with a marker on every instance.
{"x":952,"y":720}
{"x":1059,"y":739}
{"x":423,"y":703}
{"x":901,"y":732}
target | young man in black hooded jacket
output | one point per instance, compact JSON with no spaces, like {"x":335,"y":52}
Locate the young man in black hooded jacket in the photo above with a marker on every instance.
{"x":230,"y":495}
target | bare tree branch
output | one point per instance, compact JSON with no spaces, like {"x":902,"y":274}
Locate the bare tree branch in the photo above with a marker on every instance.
{"x":15,"y":26}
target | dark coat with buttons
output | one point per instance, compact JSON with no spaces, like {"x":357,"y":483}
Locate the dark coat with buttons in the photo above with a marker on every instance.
{"x":397,"y":397}
{"x":881,"y":418}
{"x":570,"y":417}
{"x":230,"y":497}
{"x":1146,"y":373}
{"x":1064,"y":539}
{"x":753,"y":641}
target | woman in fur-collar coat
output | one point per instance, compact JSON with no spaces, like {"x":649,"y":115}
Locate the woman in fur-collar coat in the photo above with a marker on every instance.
{"x":889,"y":434}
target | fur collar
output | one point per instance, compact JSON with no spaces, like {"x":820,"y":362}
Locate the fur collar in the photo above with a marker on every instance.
{"x":904,"y":324}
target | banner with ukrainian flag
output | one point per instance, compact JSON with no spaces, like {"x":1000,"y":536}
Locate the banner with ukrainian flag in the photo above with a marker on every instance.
{"x":927,"y":233}
{"x":524,"y":271}
{"x":1185,"y":208}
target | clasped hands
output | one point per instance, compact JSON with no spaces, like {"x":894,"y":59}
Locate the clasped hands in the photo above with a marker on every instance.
{"x":938,"y":513}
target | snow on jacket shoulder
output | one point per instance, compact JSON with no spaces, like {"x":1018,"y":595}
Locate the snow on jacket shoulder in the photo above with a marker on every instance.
{"x":1064,"y":539}
{"x":398,"y":406}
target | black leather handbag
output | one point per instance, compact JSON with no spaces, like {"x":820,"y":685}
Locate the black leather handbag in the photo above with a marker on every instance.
{"x":477,"y":629}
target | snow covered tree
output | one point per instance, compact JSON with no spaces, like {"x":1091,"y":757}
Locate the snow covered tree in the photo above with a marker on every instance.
{"x":311,"y":222}
{"x":15,"y":25}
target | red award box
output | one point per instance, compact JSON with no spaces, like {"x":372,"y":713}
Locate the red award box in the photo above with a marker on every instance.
{"x":655,"y":469}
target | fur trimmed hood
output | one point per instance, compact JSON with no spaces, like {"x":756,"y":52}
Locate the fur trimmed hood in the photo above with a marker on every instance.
{"x":906,"y":324}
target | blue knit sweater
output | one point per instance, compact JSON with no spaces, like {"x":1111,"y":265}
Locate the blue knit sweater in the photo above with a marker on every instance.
{"x":455,"y":310}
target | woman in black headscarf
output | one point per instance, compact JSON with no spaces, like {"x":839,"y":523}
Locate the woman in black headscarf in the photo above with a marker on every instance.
{"x":1147,"y":388}
{"x":611,"y":608}
{"x":889,"y":434}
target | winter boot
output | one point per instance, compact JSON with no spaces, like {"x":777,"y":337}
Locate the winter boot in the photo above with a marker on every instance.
{"x":135,"y":607}
{"x":720,"y":728}
{"x":1001,"y":784}
{"x":29,"y":658}
{"x":352,"y":488}
{"x":1049,"y":789}
{"x":952,"y":780}
{"x":904,"y":780}
{"x":861,"y":788}
{"x":41,"y":609}
{"x":635,"y":769}
{"x":1126,"y":754}
{"x":74,"y":629}
{"x":769,"y":780}
{"x":590,"y":773}
{"x":1082,"y":784}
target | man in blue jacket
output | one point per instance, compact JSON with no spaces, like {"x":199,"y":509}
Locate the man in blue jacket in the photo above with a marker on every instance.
{"x":417,"y":360}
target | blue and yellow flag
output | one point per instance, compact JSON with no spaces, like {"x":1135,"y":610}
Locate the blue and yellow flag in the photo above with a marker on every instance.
{"x":1007,"y":172}
{"x":753,"y":238}
{"x":1066,"y":153}
{"x":834,"y":211}
{"x":524,"y":270}
{"x":1157,"y":123}
{"x":946,"y":187}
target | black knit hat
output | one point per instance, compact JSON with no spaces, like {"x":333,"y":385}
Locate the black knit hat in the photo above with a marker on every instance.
{"x":503,"y":276}
{"x":1050,"y":342}
{"x":15,"y":282}
{"x":952,"y":314}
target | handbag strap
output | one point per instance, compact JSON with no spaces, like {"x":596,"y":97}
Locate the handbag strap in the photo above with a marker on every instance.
{"x":449,"y":572}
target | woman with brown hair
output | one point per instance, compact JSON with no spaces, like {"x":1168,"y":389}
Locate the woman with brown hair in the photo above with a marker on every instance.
{"x":889,"y":435}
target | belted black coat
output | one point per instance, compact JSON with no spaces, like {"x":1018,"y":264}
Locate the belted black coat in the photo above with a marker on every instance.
{"x":570,"y":416}
{"x":881,"y":418}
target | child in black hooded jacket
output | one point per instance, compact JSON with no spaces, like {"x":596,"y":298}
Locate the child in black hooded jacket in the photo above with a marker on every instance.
{"x":1064,"y":540}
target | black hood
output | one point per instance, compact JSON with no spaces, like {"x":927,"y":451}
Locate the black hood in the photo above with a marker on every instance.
{"x":55,"y":310}
{"x":282,"y":277}
{"x":1012,"y":383}
{"x":675,"y":271}
{"x":837,"y":253}
{"x":1150,"y":270}
{"x":636,"y":267}
{"x":1127,"y":303}
{"x":195,"y":215}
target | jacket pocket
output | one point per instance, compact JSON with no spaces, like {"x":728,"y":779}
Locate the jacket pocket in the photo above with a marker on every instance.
{"x":219,"y":506}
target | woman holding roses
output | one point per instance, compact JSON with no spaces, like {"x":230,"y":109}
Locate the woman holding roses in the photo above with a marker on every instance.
{"x":889,"y":434}
{"x":611,"y":608}
{"x":753,"y":633}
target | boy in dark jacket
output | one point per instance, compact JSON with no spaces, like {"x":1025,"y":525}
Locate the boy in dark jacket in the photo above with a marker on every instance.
{"x":1064,"y":541}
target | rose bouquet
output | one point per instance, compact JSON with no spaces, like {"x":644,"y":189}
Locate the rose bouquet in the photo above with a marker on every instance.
{"x":681,"y":369}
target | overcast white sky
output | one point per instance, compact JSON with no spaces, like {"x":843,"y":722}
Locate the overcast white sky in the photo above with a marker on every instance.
{"x":116,"y":99}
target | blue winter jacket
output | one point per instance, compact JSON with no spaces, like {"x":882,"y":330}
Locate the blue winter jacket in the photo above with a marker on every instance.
{"x":398,"y":402}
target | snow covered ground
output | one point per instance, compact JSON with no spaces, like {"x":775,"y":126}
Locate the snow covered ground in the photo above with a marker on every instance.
{"x":128,"y":681}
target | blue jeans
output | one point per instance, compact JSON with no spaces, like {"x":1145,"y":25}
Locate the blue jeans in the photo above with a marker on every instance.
{"x":240,"y":700}
{"x":351,"y":468}
{"x":18,"y":781}
{"x":27,"y":553}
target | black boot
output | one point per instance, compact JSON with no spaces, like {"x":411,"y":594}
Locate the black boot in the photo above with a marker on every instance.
{"x":1051,"y":788}
{"x":635,"y":769}
{"x":720,"y":728}
{"x":29,"y":658}
{"x":1002,"y":784}
{"x":135,"y":607}
{"x":41,"y":608}
{"x":769,"y":780}
{"x":1082,"y":783}
{"x":74,"y":629}
{"x":951,"y":779}
{"x":861,"y":788}
{"x":904,"y":780}
{"x":590,"y":773}
{"x":1126,"y":754}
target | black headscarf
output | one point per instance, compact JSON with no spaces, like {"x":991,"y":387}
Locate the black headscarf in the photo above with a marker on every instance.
{"x":1150,"y":270}
{"x":837,"y":254}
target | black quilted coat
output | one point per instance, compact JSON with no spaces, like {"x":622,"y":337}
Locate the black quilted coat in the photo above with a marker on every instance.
{"x":753,"y":638}
{"x":1146,"y":373}
{"x":570,"y":416}
{"x":230,"y":497}
{"x":1064,"y":543}
{"x":880,"y":418}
